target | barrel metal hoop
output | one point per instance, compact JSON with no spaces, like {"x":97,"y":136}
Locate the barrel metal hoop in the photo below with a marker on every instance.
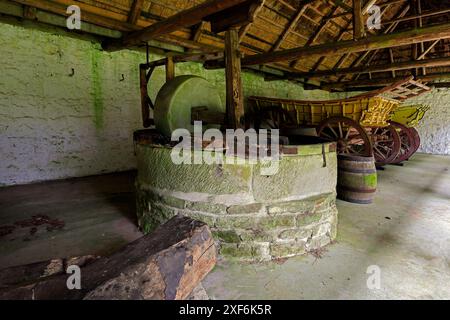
{"x":341,"y":187}
{"x":370,"y":171}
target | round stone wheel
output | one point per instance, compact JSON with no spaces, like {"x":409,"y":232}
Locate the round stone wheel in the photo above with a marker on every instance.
{"x":176,"y":99}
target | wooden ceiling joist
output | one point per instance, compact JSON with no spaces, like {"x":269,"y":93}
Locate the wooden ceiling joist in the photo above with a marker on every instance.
{"x":186,"y":18}
{"x":380,"y":82}
{"x":402,"y":38}
{"x":135,"y":11}
{"x":429,"y":63}
{"x":291,"y":25}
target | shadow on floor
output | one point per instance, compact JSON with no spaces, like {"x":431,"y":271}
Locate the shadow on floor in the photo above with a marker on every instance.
{"x":58,"y":219}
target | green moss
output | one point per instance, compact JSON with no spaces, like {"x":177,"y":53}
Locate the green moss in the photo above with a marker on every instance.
{"x":96,"y":87}
{"x":371,"y":180}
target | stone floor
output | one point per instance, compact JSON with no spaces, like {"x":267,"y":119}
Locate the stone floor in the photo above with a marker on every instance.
{"x":406,"y":233}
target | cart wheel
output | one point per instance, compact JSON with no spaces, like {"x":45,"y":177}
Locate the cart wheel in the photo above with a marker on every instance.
{"x":386,"y":144}
{"x":350,"y":136}
{"x":407,"y":142}
{"x":275,"y":118}
{"x":416,"y":138}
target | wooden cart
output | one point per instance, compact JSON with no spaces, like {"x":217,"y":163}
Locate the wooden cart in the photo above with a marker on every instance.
{"x":405,"y":118}
{"x":360,"y":124}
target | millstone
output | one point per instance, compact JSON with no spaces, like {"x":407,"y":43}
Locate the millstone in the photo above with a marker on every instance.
{"x":176,"y":98}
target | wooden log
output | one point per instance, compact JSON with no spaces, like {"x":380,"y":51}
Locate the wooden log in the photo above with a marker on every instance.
{"x":436,"y":62}
{"x":358,"y":23}
{"x":135,"y":11}
{"x":379,"y":82}
{"x":408,"y":37}
{"x":33,"y":272}
{"x":235,"y":98}
{"x":165,"y":265}
{"x":186,"y":18}
{"x":170,"y":69}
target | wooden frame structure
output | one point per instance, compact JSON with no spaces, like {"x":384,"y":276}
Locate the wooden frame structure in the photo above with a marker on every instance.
{"x":295,"y":40}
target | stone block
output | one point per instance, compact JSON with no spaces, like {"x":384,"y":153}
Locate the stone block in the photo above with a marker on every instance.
{"x":243,"y":251}
{"x":228,"y":236}
{"x":301,"y":175}
{"x":304,"y":220}
{"x":202,"y":178}
{"x":287,"y":249}
{"x":207,"y":207}
{"x":246,"y":209}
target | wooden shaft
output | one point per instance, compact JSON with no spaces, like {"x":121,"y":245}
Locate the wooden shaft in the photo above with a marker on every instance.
{"x":186,"y":18}
{"x":235,"y":103}
{"x":436,"y":62}
{"x":403,"y":38}
{"x":358,"y":24}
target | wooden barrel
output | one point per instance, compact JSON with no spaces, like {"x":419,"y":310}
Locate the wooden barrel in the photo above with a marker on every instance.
{"x":357,"y":179}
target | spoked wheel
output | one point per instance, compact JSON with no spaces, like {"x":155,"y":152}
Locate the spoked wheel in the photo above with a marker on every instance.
{"x":416,"y":138}
{"x":407,"y":142}
{"x":386,"y":144}
{"x":351,"y":138}
{"x":275,"y":118}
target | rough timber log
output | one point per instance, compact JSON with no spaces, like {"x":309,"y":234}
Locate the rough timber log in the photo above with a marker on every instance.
{"x":165,"y":265}
{"x":435,"y":62}
{"x":397,"y":39}
{"x":186,"y":18}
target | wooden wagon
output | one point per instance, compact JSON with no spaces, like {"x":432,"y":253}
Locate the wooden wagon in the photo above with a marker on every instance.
{"x":404,"y":119}
{"x":360,"y":125}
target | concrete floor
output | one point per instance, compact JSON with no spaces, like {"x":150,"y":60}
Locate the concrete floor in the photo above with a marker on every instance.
{"x":98,"y":215}
{"x":406,"y":233}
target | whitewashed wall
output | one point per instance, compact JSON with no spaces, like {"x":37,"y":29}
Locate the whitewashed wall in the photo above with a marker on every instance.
{"x":54,"y":125}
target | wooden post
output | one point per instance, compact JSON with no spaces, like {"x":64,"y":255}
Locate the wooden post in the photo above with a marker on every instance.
{"x":170,"y":69}
{"x":358,"y":23}
{"x":235,"y":104}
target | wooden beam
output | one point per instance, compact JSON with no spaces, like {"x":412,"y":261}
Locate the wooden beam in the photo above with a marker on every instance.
{"x":391,"y":58}
{"x":235,"y":98}
{"x":389,"y":29}
{"x":358,"y":23}
{"x":135,"y":12}
{"x":254,"y":13}
{"x":368,"y":5}
{"x":291,"y":25}
{"x":317,"y":33}
{"x":170,"y":69}
{"x":437,"y":62}
{"x":380,"y":82}
{"x":403,"y":38}
{"x":432,"y":45}
{"x":186,"y":18}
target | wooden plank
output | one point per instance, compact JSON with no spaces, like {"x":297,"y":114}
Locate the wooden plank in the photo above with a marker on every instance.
{"x":186,"y":18}
{"x":380,"y":82}
{"x":403,"y":38}
{"x":317,"y":33}
{"x":164,"y":265}
{"x":170,"y":69}
{"x":358,"y":23}
{"x":135,"y":11}
{"x":435,"y":62}
{"x":430,"y":47}
{"x":291,"y":25}
{"x":254,"y":13}
{"x":235,"y":99}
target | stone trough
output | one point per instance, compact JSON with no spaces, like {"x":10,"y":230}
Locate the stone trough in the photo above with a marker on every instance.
{"x":252,"y":216}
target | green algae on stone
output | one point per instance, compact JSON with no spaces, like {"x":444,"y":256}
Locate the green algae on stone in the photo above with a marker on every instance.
{"x":96,"y":87}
